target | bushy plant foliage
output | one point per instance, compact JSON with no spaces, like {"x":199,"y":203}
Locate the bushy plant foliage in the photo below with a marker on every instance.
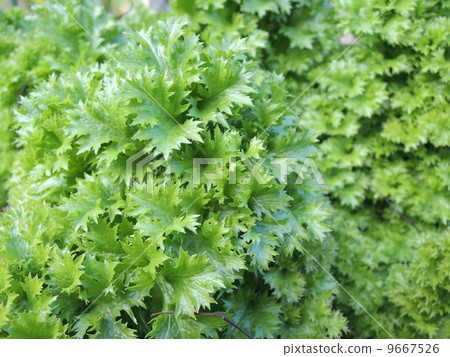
{"x":384,"y":139}
{"x":76,"y":233}
{"x":51,"y":39}
{"x":10,"y":25}
{"x":290,"y":36}
{"x":381,"y":111}
{"x":47,"y":41}
{"x":396,"y":273}
{"x":85,"y":254}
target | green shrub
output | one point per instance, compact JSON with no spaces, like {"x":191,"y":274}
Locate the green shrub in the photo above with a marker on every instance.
{"x":74,"y":224}
{"x":400,"y":276}
{"x":381,"y":113}
{"x":384,"y":137}
{"x":11,"y":23}
{"x":50,"y":41}
{"x":76,"y":234}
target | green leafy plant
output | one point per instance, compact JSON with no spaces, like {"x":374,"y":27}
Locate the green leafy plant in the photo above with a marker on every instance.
{"x":51,"y":40}
{"x":9,"y":28}
{"x":85,"y":254}
{"x":47,"y":41}
{"x":380,"y":111}
{"x":383,"y":140}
